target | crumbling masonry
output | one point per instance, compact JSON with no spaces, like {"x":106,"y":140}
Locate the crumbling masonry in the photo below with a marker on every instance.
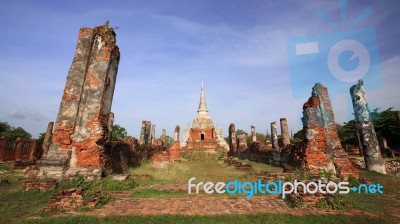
{"x":372,"y":154}
{"x":322,"y":150}
{"x":81,"y":128}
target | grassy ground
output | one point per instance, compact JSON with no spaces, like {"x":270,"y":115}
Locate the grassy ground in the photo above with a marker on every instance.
{"x":16,"y":205}
{"x":240,"y":219}
{"x":26,"y":207}
{"x":205,"y":170}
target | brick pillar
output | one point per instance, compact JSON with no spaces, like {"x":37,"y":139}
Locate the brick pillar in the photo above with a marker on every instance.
{"x":17,"y":150}
{"x":323,"y":151}
{"x":47,"y":139}
{"x":147,"y":133}
{"x":142,"y":133}
{"x":274,"y":136}
{"x":232,"y":140}
{"x":284,"y":132}
{"x":253,"y":133}
{"x":176,"y":133}
{"x":81,"y":127}
{"x":3,"y":147}
{"x":372,"y":154}
{"x":153,"y":134}
{"x":110,"y":125}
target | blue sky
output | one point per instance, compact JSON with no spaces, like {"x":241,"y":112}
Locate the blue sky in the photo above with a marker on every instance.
{"x":238,"y":48}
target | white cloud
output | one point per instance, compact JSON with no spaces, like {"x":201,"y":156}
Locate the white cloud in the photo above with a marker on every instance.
{"x":25,"y":114}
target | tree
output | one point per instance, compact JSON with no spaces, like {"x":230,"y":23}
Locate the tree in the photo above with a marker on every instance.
{"x":348,"y":134}
{"x":15,"y":133}
{"x":41,"y":136}
{"x":260,"y":138}
{"x":299,"y":136}
{"x":168,"y":141}
{"x":240,"y":131}
{"x":118,"y":133}
{"x":4,"y":126}
{"x":386,"y":126}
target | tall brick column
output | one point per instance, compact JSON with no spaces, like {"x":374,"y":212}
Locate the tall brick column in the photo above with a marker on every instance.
{"x":47,"y":139}
{"x":81,"y":127}
{"x":285,"y":132}
{"x":372,"y":154}
{"x":110,"y":125}
{"x":176,"y":133}
{"x":232,"y":140}
{"x":253,"y":133}
{"x":153,"y":134}
{"x":274,"y":136}
{"x":323,"y":151}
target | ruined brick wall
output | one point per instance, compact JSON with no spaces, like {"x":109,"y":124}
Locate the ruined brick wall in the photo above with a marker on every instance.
{"x":160,"y":160}
{"x":175,"y":152}
{"x":20,"y":150}
{"x":117,"y":157}
{"x":81,"y":128}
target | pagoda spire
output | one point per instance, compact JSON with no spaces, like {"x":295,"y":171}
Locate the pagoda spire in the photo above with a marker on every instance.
{"x":202,"y":105}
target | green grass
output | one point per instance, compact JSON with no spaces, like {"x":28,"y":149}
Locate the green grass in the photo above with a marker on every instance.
{"x":15,"y":204}
{"x":4,"y":168}
{"x":180,"y":173}
{"x":380,"y":203}
{"x":240,"y":219}
{"x":261,"y":167}
{"x":105,"y":184}
{"x":154,"y":193}
{"x":206,"y":169}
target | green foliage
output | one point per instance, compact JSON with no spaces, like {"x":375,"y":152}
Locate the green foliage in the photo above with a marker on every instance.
{"x":260,"y":138}
{"x":327,"y":175}
{"x":299,"y":136}
{"x":353,"y":181}
{"x":118,"y":133}
{"x":105,"y":184}
{"x":240,"y":131}
{"x":219,"y":219}
{"x":294,"y":201}
{"x":150,"y":193}
{"x":15,"y":133}
{"x":113,"y":185}
{"x":337,"y":202}
{"x":386,"y":125}
{"x":322,"y":203}
{"x":76,"y":182}
{"x":41,"y":136}
{"x":4,"y":126}
{"x":168,"y":141}
{"x":110,"y":28}
{"x":348,"y":134}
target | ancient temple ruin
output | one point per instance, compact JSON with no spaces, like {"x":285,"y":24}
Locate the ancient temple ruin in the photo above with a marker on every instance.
{"x":322,"y":150}
{"x":81,"y":128}
{"x":203,"y":135}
